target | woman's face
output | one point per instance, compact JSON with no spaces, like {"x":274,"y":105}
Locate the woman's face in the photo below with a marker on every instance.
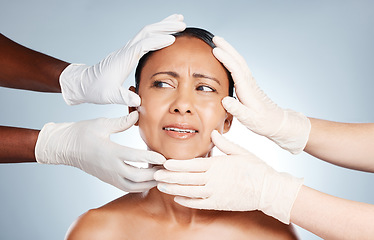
{"x":181,"y":88}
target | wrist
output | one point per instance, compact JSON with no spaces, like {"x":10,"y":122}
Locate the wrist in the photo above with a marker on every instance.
{"x":17,"y":144}
{"x":49,"y":147}
{"x":294,"y":132}
{"x":279,"y":194}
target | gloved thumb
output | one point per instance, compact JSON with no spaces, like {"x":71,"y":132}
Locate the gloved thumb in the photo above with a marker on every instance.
{"x":126,"y":97}
{"x":123,"y":123}
{"x":237,"y":109}
{"x":225,"y":145}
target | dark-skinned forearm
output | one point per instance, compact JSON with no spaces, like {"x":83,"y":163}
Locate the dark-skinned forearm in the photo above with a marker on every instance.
{"x":23,"y":68}
{"x":17,"y":144}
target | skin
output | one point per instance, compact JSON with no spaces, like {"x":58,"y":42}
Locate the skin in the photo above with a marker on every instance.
{"x":178,"y":100}
{"x":336,"y":218}
{"x":17,"y":144}
{"x":23,"y":68}
{"x":184,"y":95}
{"x":348,"y":145}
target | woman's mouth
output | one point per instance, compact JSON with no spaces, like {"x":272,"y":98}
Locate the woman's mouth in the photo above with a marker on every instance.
{"x":180,"y":132}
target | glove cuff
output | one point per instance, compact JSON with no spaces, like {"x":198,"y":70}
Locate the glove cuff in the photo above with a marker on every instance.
{"x":48,"y":145}
{"x":71,"y":83}
{"x":279,"y":194}
{"x":294,"y":132}
{"x":41,"y":149}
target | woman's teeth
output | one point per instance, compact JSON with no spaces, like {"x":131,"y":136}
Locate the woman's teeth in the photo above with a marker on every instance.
{"x":180,"y":130}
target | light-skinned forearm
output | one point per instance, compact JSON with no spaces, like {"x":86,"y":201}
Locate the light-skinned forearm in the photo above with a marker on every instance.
{"x":332,"y":218}
{"x":17,"y":144}
{"x":349,"y":145}
{"x":23,"y":68}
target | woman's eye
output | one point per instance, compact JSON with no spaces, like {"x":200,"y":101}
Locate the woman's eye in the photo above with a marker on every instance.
{"x":205,"y":89}
{"x":160,"y":84}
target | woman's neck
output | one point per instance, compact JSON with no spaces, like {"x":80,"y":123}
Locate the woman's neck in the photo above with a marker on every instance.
{"x":166,"y":206}
{"x":169,"y":208}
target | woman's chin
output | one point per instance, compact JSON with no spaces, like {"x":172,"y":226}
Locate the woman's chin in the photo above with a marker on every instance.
{"x":183,"y":155}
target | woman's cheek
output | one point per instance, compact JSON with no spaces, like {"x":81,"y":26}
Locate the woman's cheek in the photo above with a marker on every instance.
{"x":214,"y":115}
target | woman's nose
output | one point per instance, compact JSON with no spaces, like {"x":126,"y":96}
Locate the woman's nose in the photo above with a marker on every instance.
{"x":182,"y":104}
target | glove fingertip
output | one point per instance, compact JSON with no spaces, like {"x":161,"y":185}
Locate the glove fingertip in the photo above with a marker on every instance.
{"x":228,"y":101}
{"x":133,"y":99}
{"x":171,"y":164}
{"x":180,"y":200}
{"x":122,"y":123}
{"x":215,"y":134}
{"x":174,"y":17}
{"x":162,"y":187}
{"x":183,"y":26}
{"x":155,"y":43}
{"x":234,"y":106}
{"x":217,"y":40}
{"x":180,"y":17}
{"x":169,"y":40}
{"x":156,"y":158}
{"x":132,"y":117}
{"x":159,"y":175}
{"x":219,"y":54}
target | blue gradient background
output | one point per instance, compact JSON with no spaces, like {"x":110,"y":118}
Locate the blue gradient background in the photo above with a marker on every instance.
{"x":316,"y":57}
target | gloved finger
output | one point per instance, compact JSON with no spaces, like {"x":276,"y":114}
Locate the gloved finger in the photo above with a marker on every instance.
{"x":227,"y":47}
{"x":140,"y":48}
{"x":152,"y":43}
{"x":125,"y":97}
{"x":137,"y":155}
{"x":129,"y":186}
{"x":245,"y":84}
{"x":169,"y":25}
{"x":135,"y":174}
{"x":197,"y":203}
{"x":123,"y":123}
{"x":185,"y":191}
{"x":238,"y":73}
{"x":181,"y":178}
{"x":225,"y":145}
{"x":191,"y":165}
{"x":243,"y":113}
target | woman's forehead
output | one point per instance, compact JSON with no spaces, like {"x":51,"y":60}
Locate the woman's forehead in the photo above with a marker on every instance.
{"x":187,"y":53}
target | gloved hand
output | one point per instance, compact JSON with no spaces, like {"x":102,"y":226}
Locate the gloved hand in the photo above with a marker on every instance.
{"x":102,"y":83}
{"x":238,"y":181}
{"x":289,"y":129}
{"x":86,"y":145}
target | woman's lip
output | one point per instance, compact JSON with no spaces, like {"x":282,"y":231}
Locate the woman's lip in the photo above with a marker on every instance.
{"x":180,"y":127}
{"x":180,"y":131}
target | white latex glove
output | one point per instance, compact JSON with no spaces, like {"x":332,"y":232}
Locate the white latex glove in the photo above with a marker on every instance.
{"x":102,"y":83}
{"x":87,"y":145}
{"x":287,"y":128}
{"x":238,"y":181}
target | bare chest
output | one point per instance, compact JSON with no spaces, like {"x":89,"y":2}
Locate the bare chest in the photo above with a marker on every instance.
{"x":204,"y":232}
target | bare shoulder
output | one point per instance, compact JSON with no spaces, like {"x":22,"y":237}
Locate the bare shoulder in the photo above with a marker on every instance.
{"x":90,"y":225}
{"x":271,"y":228}
{"x":257,"y":225}
{"x":104,"y":222}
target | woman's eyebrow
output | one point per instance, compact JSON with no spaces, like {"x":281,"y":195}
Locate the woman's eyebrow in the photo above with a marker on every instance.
{"x":199,"y":75}
{"x":173,"y":74}
{"x":195,"y":75}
